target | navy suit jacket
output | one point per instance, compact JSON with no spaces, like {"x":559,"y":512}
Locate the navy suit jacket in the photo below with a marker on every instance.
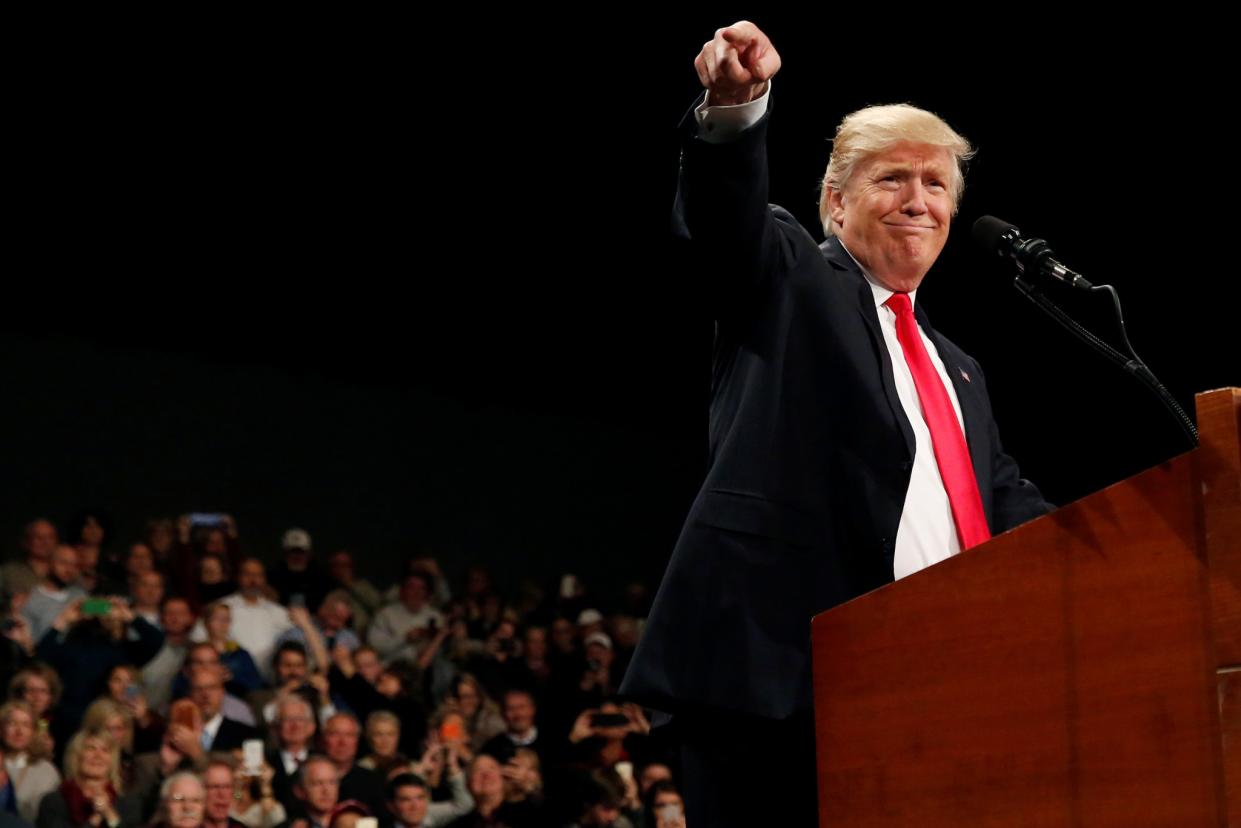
{"x":810,"y":450}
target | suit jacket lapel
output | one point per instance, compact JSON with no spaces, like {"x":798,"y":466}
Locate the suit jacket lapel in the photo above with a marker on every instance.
{"x":841,"y":260}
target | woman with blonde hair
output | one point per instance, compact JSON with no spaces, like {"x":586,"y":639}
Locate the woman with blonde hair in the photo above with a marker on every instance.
{"x":38,"y":685}
{"x":383,"y":737}
{"x":89,"y":796}
{"x":31,"y":773}
{"x":106,"y":714}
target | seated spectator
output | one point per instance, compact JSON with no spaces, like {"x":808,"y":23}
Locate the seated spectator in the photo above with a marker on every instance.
{"x":16,"y":644}
{"x":106,"y":714}
{"x":217,"y":782}
{"x":258,"y":622}
{"x":395,"y":690}
{"x":651,"y":773}
{"x":192,"y":544}
{"x":383,"y":740}
{"x":402,"y":630}
{"x":364,"y":599}
{"x":219,"y":732}
{"x":520,"y":731}
{"x":203,"y":654}
{"x":181,"y":801}
{"x":90,"y":794}
{"x":139,"y":560}
{"x":611,"y":733}
{"x":55,"y":591}
{"x":409,"y":802}
{"x":38,"y":685}
{"x":347,"y":813}
{"x":664,"y":807}
{"x":146,"y":590}
{"x":293,"y":675}
{"x":297,"y":579}
{"x":159,"y":674}
{"x":98,"y":573}
{"x":242,"y":672}
{"x":479,"y":716}
{"x":340,"y":744}
{"x":293,"y":736}
{"x":602,"y":807}
{"x":332,"y":623}
{"x":491,"y":803}
{"x":39,"y":541}
{"x":25,"y":761}
{"x":160,"y":537}
{"x":125,"y":688}
{"x":254,"y":802}
{"x":87,"y":647}
{"x":214,"y":581}
{"x":317,"y":792}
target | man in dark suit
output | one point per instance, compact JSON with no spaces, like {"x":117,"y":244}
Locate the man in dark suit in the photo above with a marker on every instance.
{"x":850,"y":442}
{"x":207,"y":692}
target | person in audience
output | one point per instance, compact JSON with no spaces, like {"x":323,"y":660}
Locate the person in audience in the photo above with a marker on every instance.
{"x":39,"y":541}
{"x":257,"y":621}
{"x":317,"y":792}
{"x":90,"y":794}
{"x":182,"y":798}
{"x":25,"y":760}
{"x":242,"y":672}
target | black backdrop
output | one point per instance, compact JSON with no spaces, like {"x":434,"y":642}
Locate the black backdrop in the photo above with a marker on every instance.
{"x":408,"y":284}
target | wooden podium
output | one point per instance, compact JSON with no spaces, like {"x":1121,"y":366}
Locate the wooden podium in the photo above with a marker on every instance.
{"x":1081,"y":670}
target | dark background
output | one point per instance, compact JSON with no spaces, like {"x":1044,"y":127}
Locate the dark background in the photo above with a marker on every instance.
{"x":409,"y":285}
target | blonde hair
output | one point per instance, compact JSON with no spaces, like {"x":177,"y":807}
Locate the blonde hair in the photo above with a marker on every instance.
{"x":73,"y":755}
{"x":40,"y":746}
{"x":100,"y":710}
{"x":867,"y":132}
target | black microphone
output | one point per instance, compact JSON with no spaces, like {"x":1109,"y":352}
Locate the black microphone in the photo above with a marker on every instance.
{"x":1031,"y":255}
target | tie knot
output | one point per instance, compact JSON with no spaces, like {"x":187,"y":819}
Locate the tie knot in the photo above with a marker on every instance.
{"x":899,"y":304}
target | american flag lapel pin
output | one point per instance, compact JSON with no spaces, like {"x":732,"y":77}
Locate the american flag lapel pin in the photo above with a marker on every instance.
{"x":964,"y":375}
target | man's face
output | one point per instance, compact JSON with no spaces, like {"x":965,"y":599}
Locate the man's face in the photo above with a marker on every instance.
{"x":40,"y":540}
{"x":219,"y":783}
{"x":320,"y":787}
{"x":334,"y":615}
{"x":414,"y":594}
{"x":485,"y":781}
{"x":895,"y":210}
{"x":536,"y":643}
{"x":296,"y":724}
{"x":215,"y":543}
{"x":139,"y":560}
{"x":149,"y":589}
{"x":562,"y":634}
{"x":290,"y":667}
{"x":340,"y":740}
{"x":251,"y":579}
{"x":207,"y":691}
{"x":176,"y":617}
{"x":341,"y":567}
{"x":518,"y":712}
{"x":64,"y":565}
{"x":185,"y":803}
{"x":410,"y":805}
{"x":652,"y":773}
{"x":367,"y":663}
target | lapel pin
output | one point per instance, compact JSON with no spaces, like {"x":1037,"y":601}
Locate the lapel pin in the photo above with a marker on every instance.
{"x":964,"y":375}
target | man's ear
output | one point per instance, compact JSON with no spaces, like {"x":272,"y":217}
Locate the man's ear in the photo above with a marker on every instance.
{"x":836,"y":205}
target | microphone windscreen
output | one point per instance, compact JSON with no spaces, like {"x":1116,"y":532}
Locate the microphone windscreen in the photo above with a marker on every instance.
{"x":988,"y":231}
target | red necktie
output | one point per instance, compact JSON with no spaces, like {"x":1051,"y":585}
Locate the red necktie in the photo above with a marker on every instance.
{"x":951,"y":452}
